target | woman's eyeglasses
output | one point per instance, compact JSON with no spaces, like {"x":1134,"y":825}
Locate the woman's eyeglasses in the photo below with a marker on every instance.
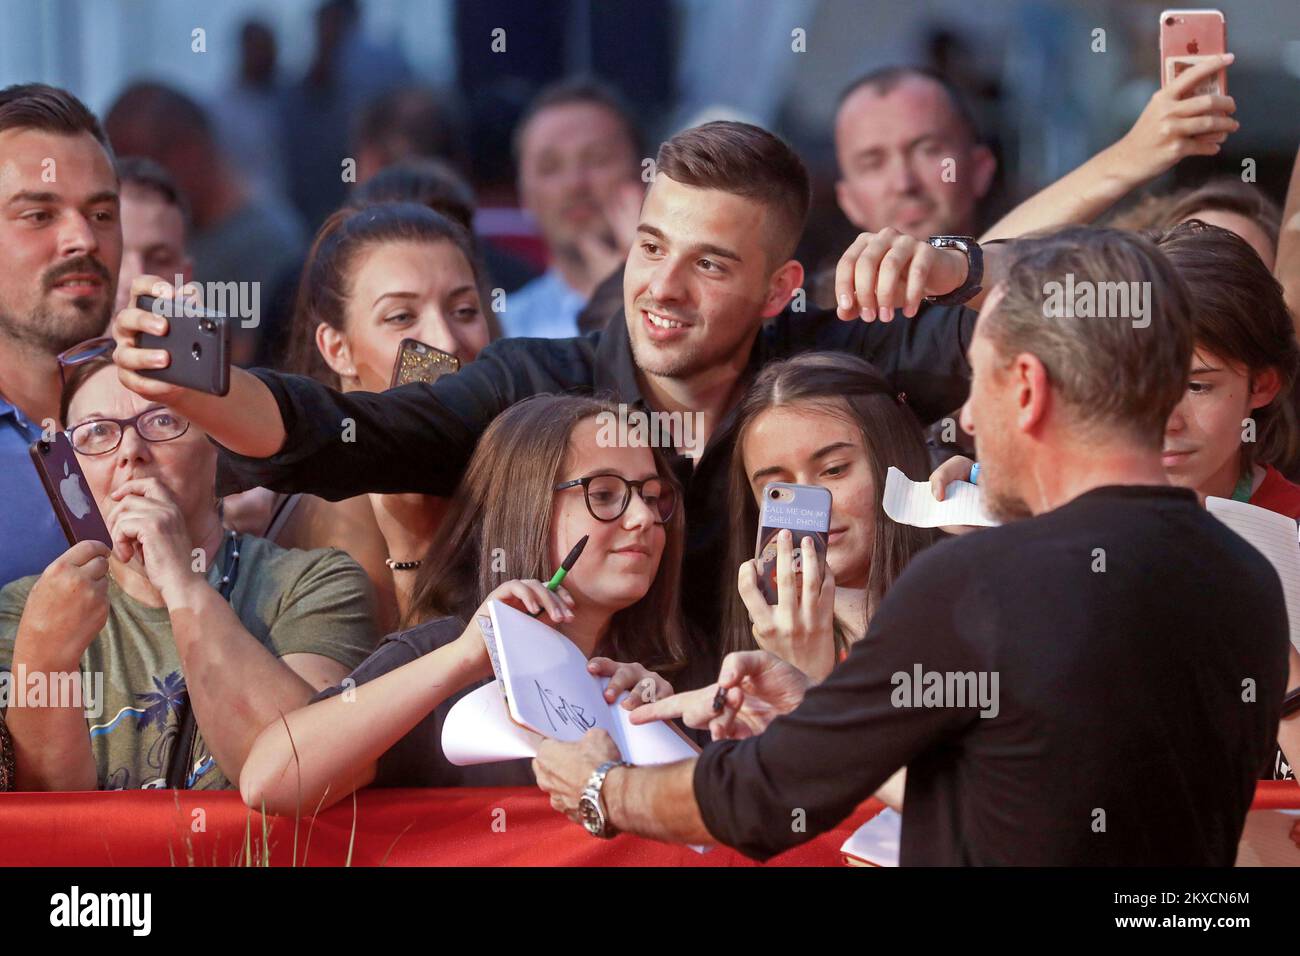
{"x":608,"y":496}
{"x":99,"y":436}
{"x":85,"y":352}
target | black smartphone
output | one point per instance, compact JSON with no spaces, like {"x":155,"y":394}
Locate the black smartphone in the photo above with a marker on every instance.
{"x":69,"y":494}
{"x":198,"y":343}
{"x":417,"y":362}
{"x":806,"y":511}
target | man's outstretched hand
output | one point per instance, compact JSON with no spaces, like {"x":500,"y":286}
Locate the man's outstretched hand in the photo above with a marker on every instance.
{"x":759,"y":688}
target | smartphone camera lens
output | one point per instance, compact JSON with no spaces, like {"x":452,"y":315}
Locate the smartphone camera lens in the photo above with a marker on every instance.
{"x":207,"y":326}
{"x":774,"y":495}
{"x":1169,"y":21}
{"x":196,"y":350}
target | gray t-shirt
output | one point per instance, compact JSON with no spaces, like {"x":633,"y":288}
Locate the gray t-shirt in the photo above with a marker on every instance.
{"x":291,"y":601}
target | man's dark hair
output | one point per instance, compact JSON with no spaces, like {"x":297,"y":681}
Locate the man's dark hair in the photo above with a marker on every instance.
{"x":42,"y":107}
{"x":144,"y":173}
{"x":147,"y":117}
{"x":885,"y":80}
{"x":746,"y":161}
{"x":410,"y":122}
{"x":580,"y":90}
{"x":427,"y":181}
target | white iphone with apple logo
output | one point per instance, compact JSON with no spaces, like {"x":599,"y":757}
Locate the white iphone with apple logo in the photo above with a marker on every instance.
{"x":65,"y":484}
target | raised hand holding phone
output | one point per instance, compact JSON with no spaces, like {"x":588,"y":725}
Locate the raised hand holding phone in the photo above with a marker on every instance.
{"x":246,"y":420}
{"x":66,"y":609}
{"x":799,"y":628}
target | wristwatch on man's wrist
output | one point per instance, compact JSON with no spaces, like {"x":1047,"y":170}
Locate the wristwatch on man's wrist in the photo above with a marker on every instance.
{"x":591,"y":808}
{"x":974,"y":269}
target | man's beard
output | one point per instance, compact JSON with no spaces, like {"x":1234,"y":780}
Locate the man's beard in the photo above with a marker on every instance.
{"x":684,"y":360}
{"x":52,"y":329}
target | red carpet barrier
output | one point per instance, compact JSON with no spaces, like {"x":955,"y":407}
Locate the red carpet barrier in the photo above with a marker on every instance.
{"x":458,"y":827}
{"x":454,"y":827}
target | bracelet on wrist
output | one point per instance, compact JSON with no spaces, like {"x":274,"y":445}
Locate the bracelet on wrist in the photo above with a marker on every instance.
{"x":402,"y":565}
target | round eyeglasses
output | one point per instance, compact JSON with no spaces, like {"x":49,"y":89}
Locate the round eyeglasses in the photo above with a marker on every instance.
{"x":99,"y":436}
{"x":608,"y":496}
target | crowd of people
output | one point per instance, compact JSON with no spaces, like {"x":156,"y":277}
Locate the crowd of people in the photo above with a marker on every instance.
{"x":290,"y":603}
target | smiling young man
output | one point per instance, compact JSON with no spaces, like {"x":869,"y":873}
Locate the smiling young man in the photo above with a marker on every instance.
{"x":1119,"y":624}
{"x":60,"y":248}
{"x":706,"y":289}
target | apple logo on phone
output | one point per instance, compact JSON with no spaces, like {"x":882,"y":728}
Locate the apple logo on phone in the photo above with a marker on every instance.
{"x":72,"y":495}
{"x":1193,"y":46}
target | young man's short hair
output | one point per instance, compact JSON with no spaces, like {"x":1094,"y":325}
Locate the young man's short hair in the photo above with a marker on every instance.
{"x":746,"y":161}
{"x":42,"y":107}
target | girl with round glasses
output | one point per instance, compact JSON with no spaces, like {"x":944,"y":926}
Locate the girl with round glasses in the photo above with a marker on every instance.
{"x":539,"y":481}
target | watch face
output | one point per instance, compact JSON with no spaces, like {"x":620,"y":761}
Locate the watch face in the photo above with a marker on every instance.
{"x":590,"y":814}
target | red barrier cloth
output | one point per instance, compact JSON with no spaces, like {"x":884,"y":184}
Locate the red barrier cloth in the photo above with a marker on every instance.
{"x":1276,"y":795}
{"x":452,"y":827}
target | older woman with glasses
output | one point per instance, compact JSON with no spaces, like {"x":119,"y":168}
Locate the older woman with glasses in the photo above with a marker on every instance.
{"x":539,"y":481}
{"x":184,"y":639}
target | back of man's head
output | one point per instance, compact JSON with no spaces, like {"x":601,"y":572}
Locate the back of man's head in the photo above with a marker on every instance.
{"x":142,"y":173}
{"x":151,"y":119}
{"x":48,"y":108}
{"x":748,"y":161}
{"x":1110,"y":319}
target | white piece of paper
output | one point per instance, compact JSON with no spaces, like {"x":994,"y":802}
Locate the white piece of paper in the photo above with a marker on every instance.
{"x":548,"y":692}
{"x":877,"y":841}
{"x":912,"y":503}
{"x":1277,"y":538}
{"x":478,"y":729}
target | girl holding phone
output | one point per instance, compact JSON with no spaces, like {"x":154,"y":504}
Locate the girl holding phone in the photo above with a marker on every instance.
{"x":831,"y":420}
{"x":538,"y":481}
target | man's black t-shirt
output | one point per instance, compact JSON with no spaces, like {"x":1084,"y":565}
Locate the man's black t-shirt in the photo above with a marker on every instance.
{"x":1140,"y":655}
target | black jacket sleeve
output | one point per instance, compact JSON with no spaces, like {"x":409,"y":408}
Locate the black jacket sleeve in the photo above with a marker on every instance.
{"x":923,"y":357}
{"x":812,"y":767}
{"x":417,"y":438}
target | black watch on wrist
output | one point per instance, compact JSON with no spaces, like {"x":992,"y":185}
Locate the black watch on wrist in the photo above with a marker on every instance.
{"x":974,"y":269}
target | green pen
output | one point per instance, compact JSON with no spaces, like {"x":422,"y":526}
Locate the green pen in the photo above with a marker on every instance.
{"x":565,"y":567}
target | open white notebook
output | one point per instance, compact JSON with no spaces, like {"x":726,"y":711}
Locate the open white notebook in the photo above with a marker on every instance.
{"x":876,"y":842}
{"x":1276,"y":537}
{"x":543,"y":689}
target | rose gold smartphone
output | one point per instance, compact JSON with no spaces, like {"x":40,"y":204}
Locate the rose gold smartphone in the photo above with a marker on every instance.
{"x":1187,"y":37}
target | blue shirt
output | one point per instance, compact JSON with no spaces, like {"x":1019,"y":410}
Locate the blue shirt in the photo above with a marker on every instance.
{"x":30,"y":536}
{"x":546,"y":308}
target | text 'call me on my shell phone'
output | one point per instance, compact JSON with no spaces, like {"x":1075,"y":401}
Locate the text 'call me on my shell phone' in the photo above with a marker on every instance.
{"x":69,"y":495}
{"x":806,"y":511}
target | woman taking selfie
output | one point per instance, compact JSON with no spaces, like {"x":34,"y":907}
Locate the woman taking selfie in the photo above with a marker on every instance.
{"x":376,"y":275}
{"x":538,"y":482}
{"x":830,"y":420}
